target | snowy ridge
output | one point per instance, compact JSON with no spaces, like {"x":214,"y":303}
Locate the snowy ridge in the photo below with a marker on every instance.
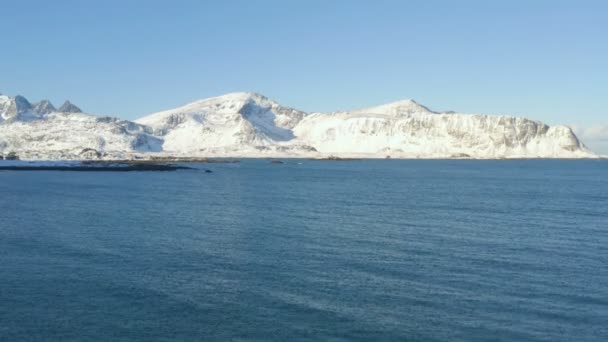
{"x":42,"y":132}
{"x":225,"y":125}
{"x":420,"y":135}
{"x":396,"y":109}
{"x":251,"y":125}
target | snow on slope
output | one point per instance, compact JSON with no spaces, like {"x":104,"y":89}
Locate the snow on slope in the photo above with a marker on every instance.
{"x":33,"y":133}
{"x":407,"y":129}
{"x":231,"y":124}
{"x":251,"y":125}
{"x":244,"y":124}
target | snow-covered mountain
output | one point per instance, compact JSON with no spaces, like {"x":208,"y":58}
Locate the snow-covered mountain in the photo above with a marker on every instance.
{"x":245,"y":123}
{"x":408,"y":129}
{"x":40,"y":131}
{"x":249,"y":124}
{"x":238,"y":124}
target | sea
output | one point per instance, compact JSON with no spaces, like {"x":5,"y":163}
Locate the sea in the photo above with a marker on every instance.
{"x":308,"y":250}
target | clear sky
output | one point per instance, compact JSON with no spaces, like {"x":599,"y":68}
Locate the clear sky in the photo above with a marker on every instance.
{"x":547,"y":60}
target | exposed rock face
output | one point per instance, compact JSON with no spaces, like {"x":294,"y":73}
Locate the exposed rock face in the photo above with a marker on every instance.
{"x":40,"y":131}
{"x":13,"y":107}
{"x":43,"y":107}
{"x":90,"y":154}
{"x":69,"y":107}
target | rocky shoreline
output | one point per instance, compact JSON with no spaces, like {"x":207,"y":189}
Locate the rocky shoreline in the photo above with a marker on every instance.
{"x":95,"y":167}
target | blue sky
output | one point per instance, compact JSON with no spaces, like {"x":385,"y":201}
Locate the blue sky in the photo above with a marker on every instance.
{"x":543,"y":59}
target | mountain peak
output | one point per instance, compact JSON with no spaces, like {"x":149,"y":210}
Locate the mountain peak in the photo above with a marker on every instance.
{"x":69,"y":107}
{"x":245,"y":94}
{"x":22,"y":102}
{"x":250,"y":124}
{"x":12,"y":107}
{"x":44,"y":107}
{"x":241,"y":96}
{"x":402,"y":107}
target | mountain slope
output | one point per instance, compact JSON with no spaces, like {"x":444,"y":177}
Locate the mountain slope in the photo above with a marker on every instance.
{"x":251,"y":125}
{"x":244,"y":123}
{"x":228,"y":124}
{"x":41,"y":132}
{"x":407,"y":129}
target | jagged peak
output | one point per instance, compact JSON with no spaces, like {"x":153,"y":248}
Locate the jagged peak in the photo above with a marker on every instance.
{"x":20,"y":104}
{"x":13,"y":107}
{"x":44,"y":107}
{"x":69,"y":107}
{"x":22,"y":101}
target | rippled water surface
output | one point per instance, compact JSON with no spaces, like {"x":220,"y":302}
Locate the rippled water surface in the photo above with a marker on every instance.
{"x":352,"y":250}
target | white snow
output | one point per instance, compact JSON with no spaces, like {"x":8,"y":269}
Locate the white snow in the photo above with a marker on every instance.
{"x":66,"y":135}
{"x":251,"y":125}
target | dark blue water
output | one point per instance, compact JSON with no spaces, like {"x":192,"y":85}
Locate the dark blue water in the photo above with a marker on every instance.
{"x":358,"y":250}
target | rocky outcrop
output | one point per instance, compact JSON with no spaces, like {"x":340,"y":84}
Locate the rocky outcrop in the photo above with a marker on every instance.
{"x":69,"y":107}
{"x":43,"y":107}
{"x":13,"y":107}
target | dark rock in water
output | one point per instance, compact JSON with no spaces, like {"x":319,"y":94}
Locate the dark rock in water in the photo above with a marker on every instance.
{"x":208,"y":171}
{"x":460,"y":155}
{"x":334,"y":158}
{"x":96,"y":167}
{"x":69,"y":107}
{"x":276,"y":162}
{"x":155,"y":159}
